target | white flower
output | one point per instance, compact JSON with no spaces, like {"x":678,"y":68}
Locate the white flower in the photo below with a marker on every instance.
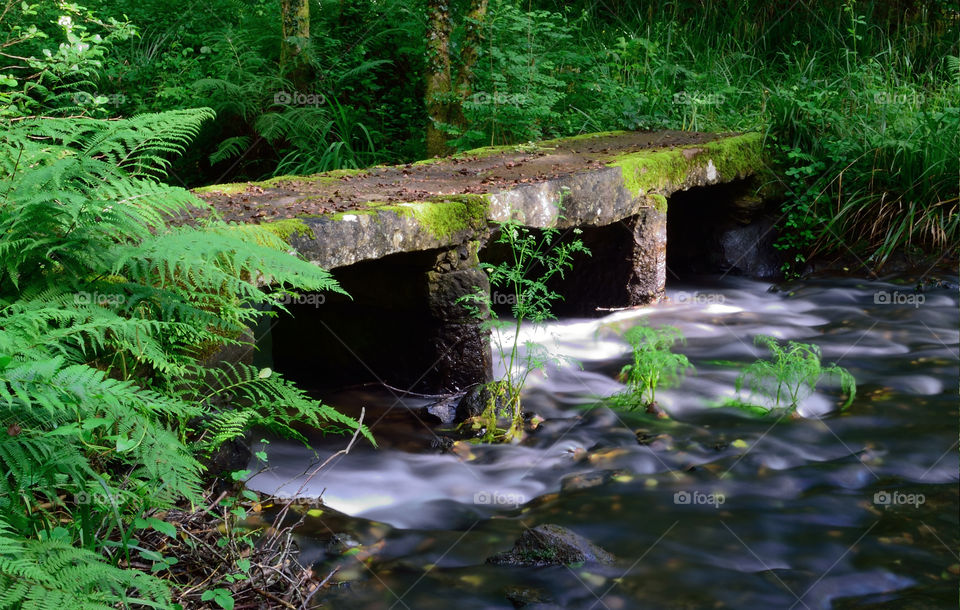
{"x":65,"y":21}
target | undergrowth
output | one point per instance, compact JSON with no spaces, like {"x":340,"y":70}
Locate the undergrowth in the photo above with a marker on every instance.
{"x":109,"y":401}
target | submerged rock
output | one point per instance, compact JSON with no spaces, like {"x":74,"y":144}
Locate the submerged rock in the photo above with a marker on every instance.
{"x":444,"y":409}
{"x":551,"y":545}
{"x":529,"y":597}
{"x":586,"y":480}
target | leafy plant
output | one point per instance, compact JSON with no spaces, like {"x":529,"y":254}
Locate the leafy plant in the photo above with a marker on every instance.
{"x":55,"y":53}
{"x":517,"y":88}
{"x":653,"y":366}
{"x":532,"y":261}
{"x":110,"y":314}
{"x":791,"y":375}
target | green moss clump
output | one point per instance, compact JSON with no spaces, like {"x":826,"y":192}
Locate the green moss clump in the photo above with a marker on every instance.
{"x":448,"y":215}
{"x":737,"y":156}
{"x":441,"y":216}
{"x":647,"y":172}
{"x":231,"y":188}
{"x":289,"y":228}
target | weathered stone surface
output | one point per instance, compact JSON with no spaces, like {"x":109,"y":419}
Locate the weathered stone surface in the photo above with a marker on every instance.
{"x":614,"y":186}
{"x":463,"y":356}
{"x":648,"y":274}
{"x":461,"y":343}
{"x":551,"y":545}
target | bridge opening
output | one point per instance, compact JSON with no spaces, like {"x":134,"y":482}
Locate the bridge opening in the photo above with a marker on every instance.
{"x":398,"y":304}
{"x":724,"y":228}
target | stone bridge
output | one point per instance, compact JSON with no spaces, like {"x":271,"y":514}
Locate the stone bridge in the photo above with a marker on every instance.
{"x":405,"y":242}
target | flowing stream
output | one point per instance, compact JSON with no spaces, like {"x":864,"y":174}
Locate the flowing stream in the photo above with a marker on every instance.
{"x":709,"y":509}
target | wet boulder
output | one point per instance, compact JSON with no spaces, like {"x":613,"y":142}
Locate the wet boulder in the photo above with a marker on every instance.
{"x":551,"y":545}
{"x":750,"y":250}
{"x":444,"y":410}
{"x":476,"y":400}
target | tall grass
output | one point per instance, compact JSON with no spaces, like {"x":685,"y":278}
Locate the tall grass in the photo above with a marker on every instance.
{"x":860,"y":102}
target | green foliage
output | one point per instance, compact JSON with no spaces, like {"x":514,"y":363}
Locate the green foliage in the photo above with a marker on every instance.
{"x":859,"y":101}
{"x":55,"y":54}
{"x":532,"y":261}
{"x":868,"y":157}
{"x":517,"y":84}
{"x":653,"y":366}
{"x":309,"y":132}
{"x":791,"y":375}
{"x":50,"y":572}
{"x":109,"y":316}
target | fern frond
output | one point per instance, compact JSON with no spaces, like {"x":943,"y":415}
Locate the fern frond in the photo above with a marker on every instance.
{"x":42,"y":574}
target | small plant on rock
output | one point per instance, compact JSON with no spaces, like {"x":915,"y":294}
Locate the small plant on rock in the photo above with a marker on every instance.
{"x":653,"y":366}
{"x":533,"y":259}
{"x":790,"y":376}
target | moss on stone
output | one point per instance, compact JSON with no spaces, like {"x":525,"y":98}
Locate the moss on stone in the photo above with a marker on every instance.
{"x":659,"y":202}
{"x":444,"y":216}
{"x":231,"y":188}
{"x":663,"y":171}
{"x":647,"y":171}
{"x":441,"y":216}
{"x":738,"y":156}
{"x":289,"y":228}
{"x":368,"y":211}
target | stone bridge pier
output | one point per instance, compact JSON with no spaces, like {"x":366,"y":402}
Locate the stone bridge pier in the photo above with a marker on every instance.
{"x":407,"y":261}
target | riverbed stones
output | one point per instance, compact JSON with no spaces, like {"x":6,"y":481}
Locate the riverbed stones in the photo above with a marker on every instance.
{"x":530,"y":598}
{"x":551,"y":545}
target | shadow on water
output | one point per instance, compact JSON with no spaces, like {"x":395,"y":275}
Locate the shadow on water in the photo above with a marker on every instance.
{"x":709,"y":509}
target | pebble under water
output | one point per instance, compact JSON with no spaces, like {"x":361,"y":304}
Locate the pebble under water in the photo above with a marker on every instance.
{"x":709,"y":509}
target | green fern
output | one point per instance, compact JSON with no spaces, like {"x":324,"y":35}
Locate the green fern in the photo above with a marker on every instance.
{"x":267,"y":400}
{"x":953,"y":67}
{"x":52,"y":574}
{"x":790,"y":376}
{"x":108,"y":310}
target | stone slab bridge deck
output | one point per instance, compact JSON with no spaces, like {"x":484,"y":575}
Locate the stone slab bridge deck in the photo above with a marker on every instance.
{"x":405,"y":241}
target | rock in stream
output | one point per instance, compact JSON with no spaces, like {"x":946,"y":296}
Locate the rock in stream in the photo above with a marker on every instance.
{"x":551,"y":545}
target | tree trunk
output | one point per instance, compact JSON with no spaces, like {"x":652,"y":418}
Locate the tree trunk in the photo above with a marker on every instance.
{"x":439,"y":83}
{"x":471,"y":50}
{"x":295,"y":34}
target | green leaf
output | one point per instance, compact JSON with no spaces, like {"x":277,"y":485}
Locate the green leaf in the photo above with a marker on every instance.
{"x":125,"y":444}
{"x":163,"y":527}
